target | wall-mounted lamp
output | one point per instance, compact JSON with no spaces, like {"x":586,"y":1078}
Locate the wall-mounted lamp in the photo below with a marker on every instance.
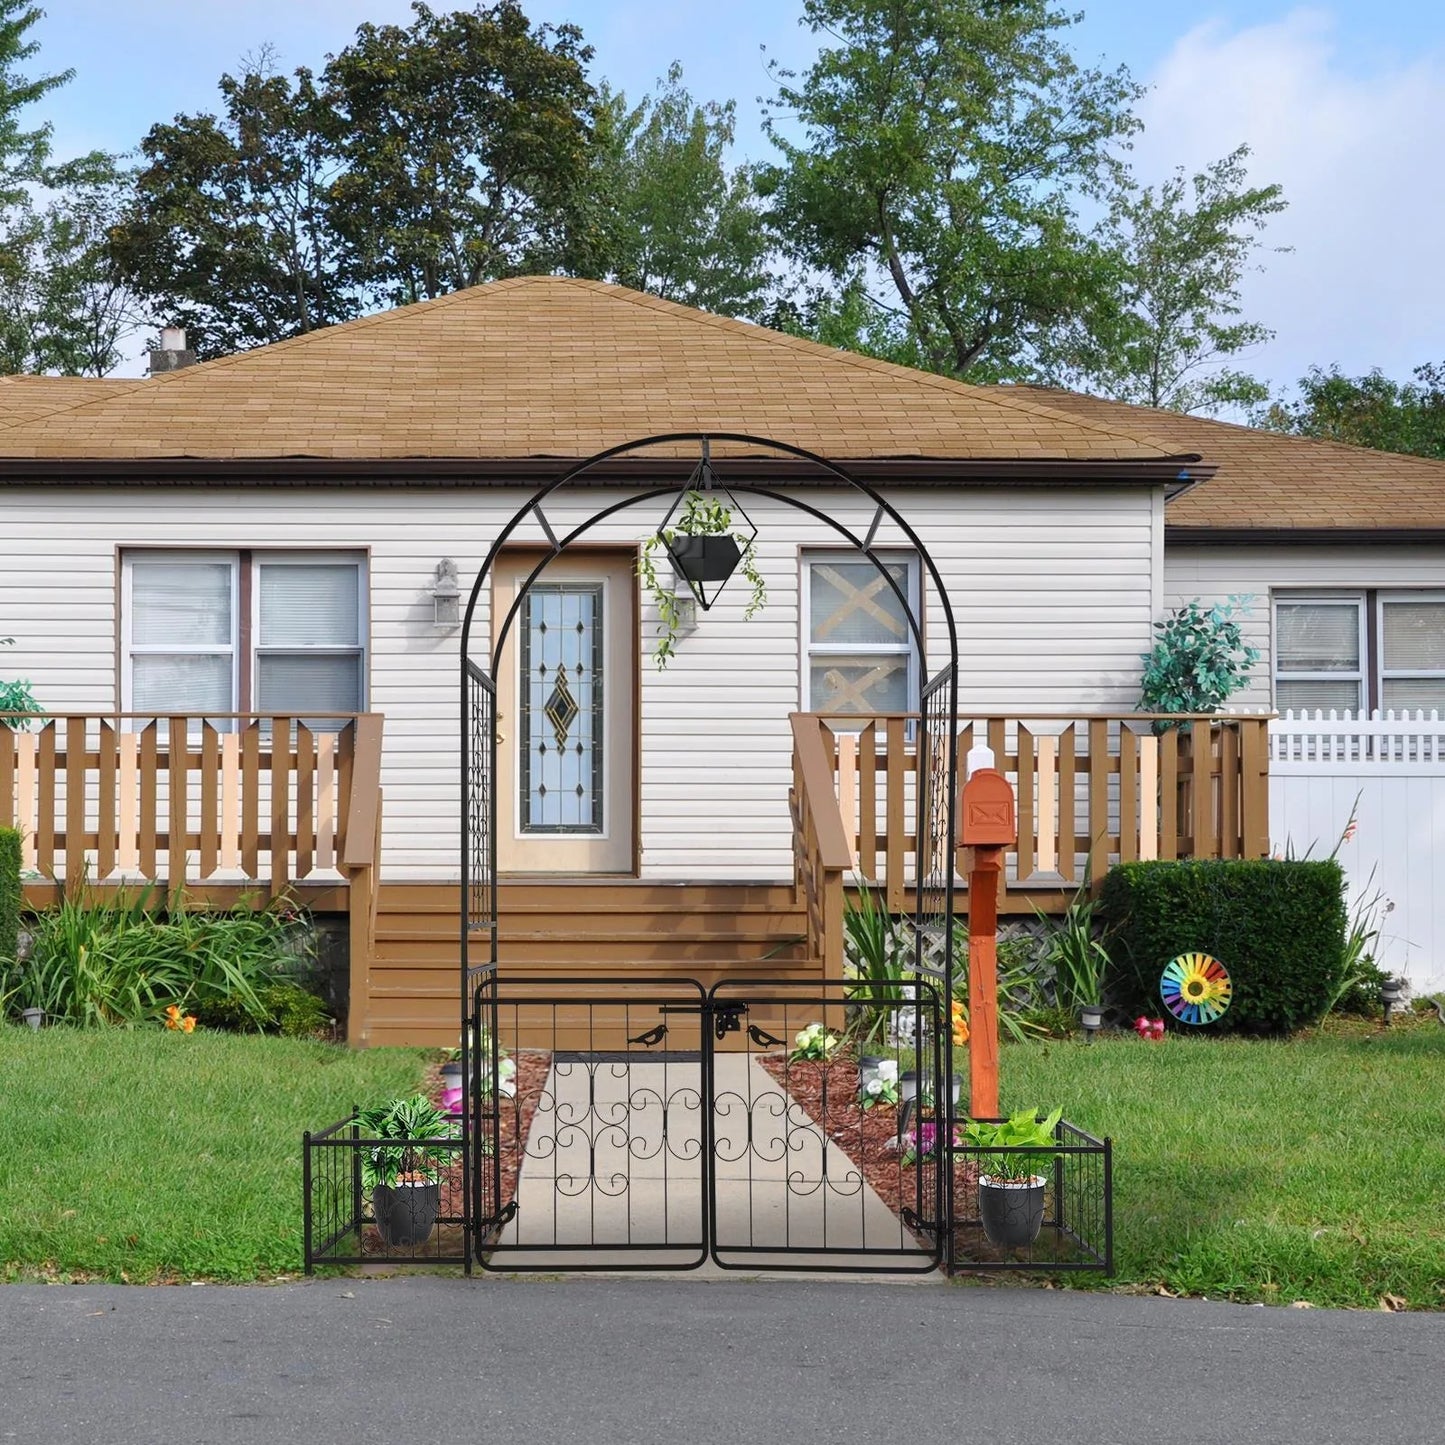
{"x":446,"y":596}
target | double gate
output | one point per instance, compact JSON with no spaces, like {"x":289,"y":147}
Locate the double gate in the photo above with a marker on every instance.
{"x":658,"y":1124}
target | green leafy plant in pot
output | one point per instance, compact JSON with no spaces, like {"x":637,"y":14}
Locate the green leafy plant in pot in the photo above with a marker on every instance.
{"x":1010,"y":1188}
{"x":402,"y":1169}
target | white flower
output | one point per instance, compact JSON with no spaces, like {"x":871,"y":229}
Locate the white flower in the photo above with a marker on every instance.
{"x":888,"y":1071}
{"x":874,"y":1087}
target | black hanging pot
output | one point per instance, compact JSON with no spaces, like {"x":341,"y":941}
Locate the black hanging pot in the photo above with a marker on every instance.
{"x":704,"y":558}
{"x":405,"y":1213}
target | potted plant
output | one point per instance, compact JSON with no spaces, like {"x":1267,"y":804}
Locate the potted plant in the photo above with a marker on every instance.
{"x":401,"y":1173}
{"x":1010,"y":1188}
{"x":705,"y":545}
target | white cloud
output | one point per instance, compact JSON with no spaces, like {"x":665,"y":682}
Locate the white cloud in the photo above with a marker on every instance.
{"x":1357,"y":155}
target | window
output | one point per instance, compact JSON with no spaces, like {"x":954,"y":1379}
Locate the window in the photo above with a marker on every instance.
{"x":859,"y":650}
{"x":1360,"y":651}
{"x":243,"y":632}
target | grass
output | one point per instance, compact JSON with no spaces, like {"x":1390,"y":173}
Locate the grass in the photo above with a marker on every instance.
{"x":1306,"y":1169}
{"x":149,"y":1157}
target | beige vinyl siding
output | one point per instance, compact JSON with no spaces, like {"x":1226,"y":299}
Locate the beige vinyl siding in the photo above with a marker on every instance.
{"x":1213,"y":573}
{"x":1052,"y":587}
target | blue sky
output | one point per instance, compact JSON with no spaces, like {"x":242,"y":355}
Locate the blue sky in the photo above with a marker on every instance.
{"x":1342,"y":101}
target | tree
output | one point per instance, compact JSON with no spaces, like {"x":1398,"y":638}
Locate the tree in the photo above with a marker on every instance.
{"x":230,"y":231}
{"x":465,"y":141}
{"x":1367,"y":411}
{"x":944,"y":144}
{"x":23,"y":153}
{"x":671,"y":217}
{"x":1165,"y":336}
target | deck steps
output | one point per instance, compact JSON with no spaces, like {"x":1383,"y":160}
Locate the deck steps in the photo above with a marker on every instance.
{"x":575,"y":928}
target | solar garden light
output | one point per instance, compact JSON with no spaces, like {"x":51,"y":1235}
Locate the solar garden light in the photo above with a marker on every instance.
{"x":33,"y":1016}
{"x":1091,"y":1017}
{"x":1390,"y":992}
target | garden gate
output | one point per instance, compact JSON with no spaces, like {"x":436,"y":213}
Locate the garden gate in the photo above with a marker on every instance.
{"x":663,"y":1123}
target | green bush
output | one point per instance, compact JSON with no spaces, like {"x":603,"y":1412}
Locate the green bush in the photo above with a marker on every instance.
{"x":289,"y":1010}
{"x":9,"y":893}
{"x":1278,"y":926}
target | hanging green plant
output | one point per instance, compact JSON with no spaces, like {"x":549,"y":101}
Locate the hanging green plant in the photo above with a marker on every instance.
{"x":703,"y":544}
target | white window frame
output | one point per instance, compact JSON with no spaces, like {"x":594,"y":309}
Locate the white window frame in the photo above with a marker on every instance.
{"x":254,"y":560}
{"x":359,"y":649}
{"x":1384,"y":674}
{"x":1361,"y":674}
{"x":130,"y":648}
{"x":907,"y":648}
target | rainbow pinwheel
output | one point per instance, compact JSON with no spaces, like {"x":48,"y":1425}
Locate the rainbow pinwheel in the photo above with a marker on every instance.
{"x":1195,"y":988}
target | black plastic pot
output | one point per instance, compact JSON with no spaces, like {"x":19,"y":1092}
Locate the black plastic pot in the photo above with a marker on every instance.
{"x":406,"y":1213}
{"x":1011,"y":1213}
{"x":704,"y":559}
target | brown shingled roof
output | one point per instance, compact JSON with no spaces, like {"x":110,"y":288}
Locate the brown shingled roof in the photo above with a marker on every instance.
{"x":25,"y":398}
{"x":1269,"y":481}
{"x":547,"y":367}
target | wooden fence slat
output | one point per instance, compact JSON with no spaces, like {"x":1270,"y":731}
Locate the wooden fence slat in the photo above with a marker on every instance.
{"x":1048,"y":815}
{"x":1149,"y":797}
{"x":75,"y":775}
{"x":45,"y":801}
{"x":280,"y":804}
{"x":1229,"y":790}
{"x":1068,"y":829}
{"x":148,"y":778}
{"x":896,"y":765}
{"x":251,"y":800}
{"x":229,"y":852}
{"x":1254,"y":824}
{"x":1129,"y":820}
{"x":1098,"y":798}
{"x":7,"y":777}
{"x":127,"y":843}
{"x":1201,"y":751}
{"x":26,"y":745}
{"x":848,"y":792}
{"x":178,"y":783}
{"x":345,"y":757}
{"x":1169,"y":794}
{"x":1027,"y":787}
{"x":210,"y":835}
{"x":105,"y":769}
{"x":305,"y":799}
{"x":326,"y":800}
{"x":868,"y":802}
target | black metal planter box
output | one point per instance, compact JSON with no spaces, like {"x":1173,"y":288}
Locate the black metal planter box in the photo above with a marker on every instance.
{"x":1073,"y":1210}
{"x":340,"y":1222}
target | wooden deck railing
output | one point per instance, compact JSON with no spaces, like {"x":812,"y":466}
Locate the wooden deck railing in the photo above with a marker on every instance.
{"x":1092,"y":791}
{"x":264,"y":800}
{"x":822,"y":852}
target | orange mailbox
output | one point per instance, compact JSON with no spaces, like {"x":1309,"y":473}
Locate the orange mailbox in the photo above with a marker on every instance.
{"x":987,"y":811}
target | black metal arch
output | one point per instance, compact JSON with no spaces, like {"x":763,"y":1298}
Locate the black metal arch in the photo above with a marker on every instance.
{"x":938,"y":736}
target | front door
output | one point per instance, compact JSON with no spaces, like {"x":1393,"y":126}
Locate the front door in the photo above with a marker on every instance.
{"x":566,"y":703}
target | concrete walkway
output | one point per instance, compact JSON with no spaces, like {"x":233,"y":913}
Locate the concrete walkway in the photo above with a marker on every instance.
{"x":631,"y":1362}
{"x":613,"y":1173}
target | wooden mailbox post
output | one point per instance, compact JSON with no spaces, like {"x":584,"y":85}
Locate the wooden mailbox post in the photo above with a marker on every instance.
{"x":986,"y":827}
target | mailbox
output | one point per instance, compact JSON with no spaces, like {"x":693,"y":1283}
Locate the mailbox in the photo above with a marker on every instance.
{"x":986,"y":811}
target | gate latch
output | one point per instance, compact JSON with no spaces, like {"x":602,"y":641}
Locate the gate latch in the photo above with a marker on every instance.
{"x":727,"y":1018}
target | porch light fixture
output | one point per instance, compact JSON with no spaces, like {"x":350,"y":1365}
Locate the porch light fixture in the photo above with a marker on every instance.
{"x":446,"y":596}
{"x":704,"y":561}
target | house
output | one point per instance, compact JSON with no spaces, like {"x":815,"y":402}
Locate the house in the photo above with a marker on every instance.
{"x":185,"y":560}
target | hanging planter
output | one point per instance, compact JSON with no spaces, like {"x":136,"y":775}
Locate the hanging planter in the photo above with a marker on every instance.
{"x":707,"y":537}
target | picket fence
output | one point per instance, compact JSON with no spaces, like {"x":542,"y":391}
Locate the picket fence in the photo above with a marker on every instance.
{"x":1371,"y":789}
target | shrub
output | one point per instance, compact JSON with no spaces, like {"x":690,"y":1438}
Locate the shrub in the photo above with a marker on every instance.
{"x":9,"y":893}
{"x":1199,"y":659}
{"x":289,"y":1010}
{"x":1278,"y":926}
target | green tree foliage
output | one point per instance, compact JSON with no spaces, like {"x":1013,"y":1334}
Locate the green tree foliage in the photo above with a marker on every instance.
{"x":1165,"y":336}
{"x":937,"y":151}
{"x":671,"y":217}
{"x":23,"y":153}
{"x":1199,"y":659}
{"x":1367,"y":411}
{"x":229,"y":230}
{"x":465,"y":145}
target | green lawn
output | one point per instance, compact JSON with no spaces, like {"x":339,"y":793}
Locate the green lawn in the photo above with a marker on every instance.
{"x":1311,"y":1169}
{"x":150,"y":1156}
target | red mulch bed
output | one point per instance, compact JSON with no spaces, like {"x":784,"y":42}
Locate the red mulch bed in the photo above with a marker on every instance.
{"x":828,"y":1094}
{"x":533,"y":1068}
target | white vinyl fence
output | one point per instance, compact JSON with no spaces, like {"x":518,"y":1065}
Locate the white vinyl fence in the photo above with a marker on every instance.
{"x":1386,"y":772}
